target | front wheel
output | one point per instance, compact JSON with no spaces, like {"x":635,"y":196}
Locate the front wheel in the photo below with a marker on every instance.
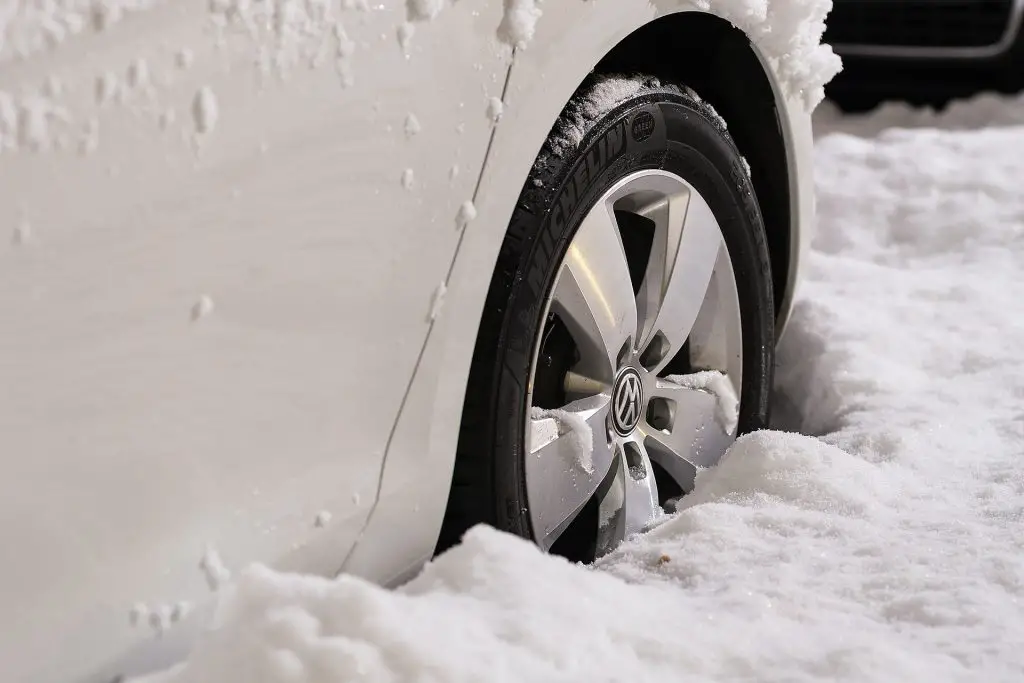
{"x":628,"y":334}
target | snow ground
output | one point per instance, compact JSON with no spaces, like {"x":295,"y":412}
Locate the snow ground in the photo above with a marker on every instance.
{"x":888,"y":549}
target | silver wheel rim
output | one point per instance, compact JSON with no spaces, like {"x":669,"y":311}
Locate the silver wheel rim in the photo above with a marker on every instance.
{"x":616,"y":394}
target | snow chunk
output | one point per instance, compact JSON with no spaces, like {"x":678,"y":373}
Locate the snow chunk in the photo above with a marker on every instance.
{"x":106,"y":87}
{"x":519,"y":22}
{"x":788,"y":33}
{"x":160,"y":619}
{"x":323,"y":518}
{"x":184,"y":58}
{"x":412,"y":126}
{"x":495,"y":108}
{"x":727,"y":405}
{"x":581,"y":436}
{"x":467,"y":212}
{"x":408,"y":179}
{"x":138,"y":74}
{"x":213,"y":569}
{"x":202,"y":308}
{"x":34,"y":117}
{"x":423,"y":10}
{"x":180,"y":610}
{"x":205,"y":111}
{"x":405,"y":33}
{"x":437,"y":302}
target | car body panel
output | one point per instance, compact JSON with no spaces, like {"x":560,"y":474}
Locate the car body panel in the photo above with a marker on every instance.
{"x":570,"y":41}
{"x":140,"y":422}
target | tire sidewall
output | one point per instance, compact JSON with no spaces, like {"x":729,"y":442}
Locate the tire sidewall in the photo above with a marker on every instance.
{"x":659,"y":130}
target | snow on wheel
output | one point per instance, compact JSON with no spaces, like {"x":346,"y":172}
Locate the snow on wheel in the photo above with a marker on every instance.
{"x":629,"y":332}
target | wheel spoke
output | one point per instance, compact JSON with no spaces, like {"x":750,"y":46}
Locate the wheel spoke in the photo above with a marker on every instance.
{"x":560,"y":478}
{"x":631,"y":504}
{"x":594,"y":294}
{"x":688,"y":245}
{"x":689,"y":430}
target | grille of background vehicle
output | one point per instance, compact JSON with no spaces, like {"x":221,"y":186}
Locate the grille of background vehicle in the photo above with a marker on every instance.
{"x":918,"y":23}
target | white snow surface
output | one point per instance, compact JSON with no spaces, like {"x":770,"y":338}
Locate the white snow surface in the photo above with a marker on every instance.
{"x":888,"y":548}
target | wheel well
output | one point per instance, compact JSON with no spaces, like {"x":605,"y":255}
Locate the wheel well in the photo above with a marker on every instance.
{"x":717,"y":60}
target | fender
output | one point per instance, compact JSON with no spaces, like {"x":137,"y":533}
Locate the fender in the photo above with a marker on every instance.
{"x":570,"y":41}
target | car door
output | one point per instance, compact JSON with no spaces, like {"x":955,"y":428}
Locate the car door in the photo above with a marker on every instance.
{"x":226,"y":227}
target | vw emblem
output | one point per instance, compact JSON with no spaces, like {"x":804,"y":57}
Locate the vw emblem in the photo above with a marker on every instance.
{"x":627,"y":401}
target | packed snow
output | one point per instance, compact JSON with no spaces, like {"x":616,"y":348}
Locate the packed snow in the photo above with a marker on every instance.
{"x":788,"y":32}
{"x":727,"y":403}
{"x":548,"y":425}
{"x":519,"y":22}
{"x":885,"y":546}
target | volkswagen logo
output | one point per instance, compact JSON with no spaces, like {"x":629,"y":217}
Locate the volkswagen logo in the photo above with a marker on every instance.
{"x":627,"y":401}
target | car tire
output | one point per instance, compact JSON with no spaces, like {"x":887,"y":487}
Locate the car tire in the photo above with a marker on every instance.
{"x":662,"y":133}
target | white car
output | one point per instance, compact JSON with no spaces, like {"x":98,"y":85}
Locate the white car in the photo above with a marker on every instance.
{"x":322,"y":284}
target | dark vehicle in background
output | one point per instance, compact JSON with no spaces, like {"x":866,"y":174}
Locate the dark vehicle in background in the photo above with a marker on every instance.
{"x":926,"y":52}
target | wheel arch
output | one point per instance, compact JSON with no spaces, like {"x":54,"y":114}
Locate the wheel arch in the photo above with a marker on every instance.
{"x":570,"y":43}
{"x":719,"y":62}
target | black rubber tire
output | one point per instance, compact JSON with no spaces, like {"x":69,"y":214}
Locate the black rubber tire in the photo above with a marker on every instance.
{"x":663,"y":127}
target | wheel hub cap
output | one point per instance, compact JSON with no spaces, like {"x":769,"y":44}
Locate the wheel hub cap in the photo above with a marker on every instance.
{"x":646,"y":291}
{"x":627,"y":401}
